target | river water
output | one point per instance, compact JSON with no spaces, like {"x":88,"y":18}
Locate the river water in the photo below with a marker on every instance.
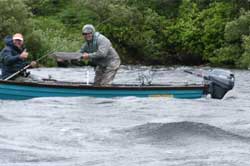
{"x":85,"y":131}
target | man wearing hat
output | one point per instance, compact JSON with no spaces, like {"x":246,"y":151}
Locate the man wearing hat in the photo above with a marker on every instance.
{"x":99,"y":51}
{"x":14,"y":56}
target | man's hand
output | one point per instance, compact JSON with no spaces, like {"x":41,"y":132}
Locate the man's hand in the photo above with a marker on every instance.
{"x":59,"y":60}
{"x":24,"y":55}
{"x":85,"y":56}
{"x":33,"y":64}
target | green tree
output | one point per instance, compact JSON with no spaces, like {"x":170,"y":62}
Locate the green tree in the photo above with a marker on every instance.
{"x":184,"y":35}
{"x":244,"y":61}
{"x":45,"y":7}
{"x":237,"y":39}
{"x":214,"y":20}
{"x":14,"y":17}
{"x":151,"y":32}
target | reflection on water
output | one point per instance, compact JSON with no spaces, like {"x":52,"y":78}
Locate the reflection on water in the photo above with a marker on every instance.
{"x":127,"y":130}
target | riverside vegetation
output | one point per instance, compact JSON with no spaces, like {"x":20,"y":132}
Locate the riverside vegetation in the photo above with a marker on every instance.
{"x":149,"y":32}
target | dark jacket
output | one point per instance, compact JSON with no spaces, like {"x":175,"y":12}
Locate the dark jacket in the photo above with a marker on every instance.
{"x":10,"y":58}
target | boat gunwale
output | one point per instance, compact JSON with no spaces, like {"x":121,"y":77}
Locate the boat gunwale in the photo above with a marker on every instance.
{"x":74,"y":85}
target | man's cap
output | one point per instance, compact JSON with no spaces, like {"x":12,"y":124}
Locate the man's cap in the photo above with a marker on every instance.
{"x":18,"y":36}
{"x":88,"y":28}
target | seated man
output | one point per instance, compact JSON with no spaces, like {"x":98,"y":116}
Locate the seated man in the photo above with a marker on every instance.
{"x":13,"y":58}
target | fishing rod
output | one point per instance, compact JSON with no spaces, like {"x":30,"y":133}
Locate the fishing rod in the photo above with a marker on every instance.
{"x":196,"y":74}
{"x":27,"y":66}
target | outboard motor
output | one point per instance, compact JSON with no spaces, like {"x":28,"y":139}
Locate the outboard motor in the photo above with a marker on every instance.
{"x":220,"y":82}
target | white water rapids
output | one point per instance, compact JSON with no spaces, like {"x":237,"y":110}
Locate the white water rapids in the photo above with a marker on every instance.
{"x":85,"y":131}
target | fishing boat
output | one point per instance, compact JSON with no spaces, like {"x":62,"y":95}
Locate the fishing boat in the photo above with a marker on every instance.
{"x":217,"y":84}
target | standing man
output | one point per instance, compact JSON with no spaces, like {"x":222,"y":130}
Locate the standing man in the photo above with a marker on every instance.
{"x":99,"y":51}
{"x":14,"y":56}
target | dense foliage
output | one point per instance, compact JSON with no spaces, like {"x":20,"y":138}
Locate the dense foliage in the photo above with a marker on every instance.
{"x":156,"y":32}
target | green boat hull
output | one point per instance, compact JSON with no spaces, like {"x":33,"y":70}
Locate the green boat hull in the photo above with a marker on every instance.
{"x":24,"y":90}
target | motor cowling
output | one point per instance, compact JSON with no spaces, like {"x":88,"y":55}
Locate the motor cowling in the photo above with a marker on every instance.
{"x":220,"y":81}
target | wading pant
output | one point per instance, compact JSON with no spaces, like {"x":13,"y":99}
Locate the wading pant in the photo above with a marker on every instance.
{"x":104,"y":75}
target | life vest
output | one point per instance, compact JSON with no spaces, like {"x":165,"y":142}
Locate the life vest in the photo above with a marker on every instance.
{"x":92,"y":45}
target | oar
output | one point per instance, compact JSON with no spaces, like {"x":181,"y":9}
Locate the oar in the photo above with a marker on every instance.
{"x":26,"y":67}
